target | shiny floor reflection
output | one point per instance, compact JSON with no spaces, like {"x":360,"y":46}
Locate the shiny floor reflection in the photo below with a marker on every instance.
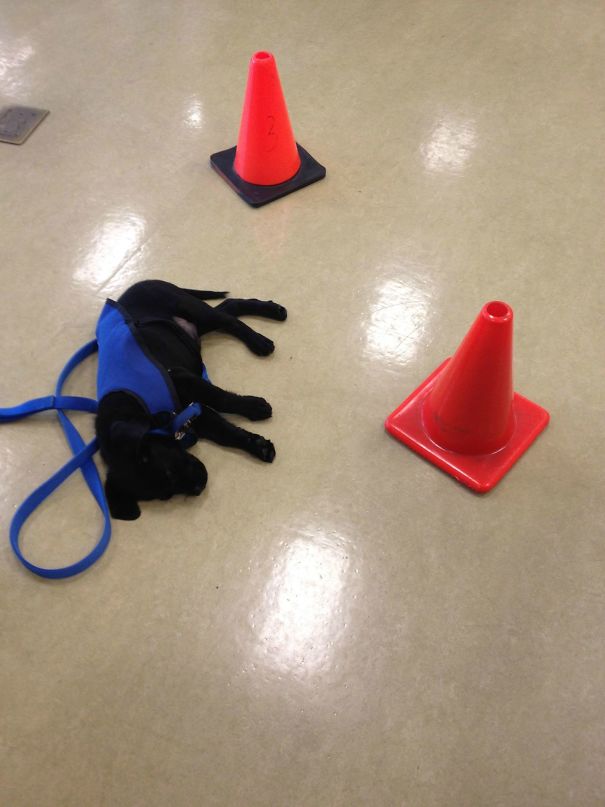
{"x":399,"y":315}
{"x":14,"y":56}
{"x":115,"y":240}
{"x":301,"y":606}
{"x":450,"y":145}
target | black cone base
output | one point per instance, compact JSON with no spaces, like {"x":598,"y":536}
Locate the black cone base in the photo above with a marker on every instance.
{"x":257,"y":195}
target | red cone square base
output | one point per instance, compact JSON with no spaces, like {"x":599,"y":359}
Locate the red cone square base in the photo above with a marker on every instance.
{"x":481,"y":472}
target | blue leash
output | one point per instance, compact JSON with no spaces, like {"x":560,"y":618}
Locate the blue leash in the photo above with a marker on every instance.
{"x":81,"y":460}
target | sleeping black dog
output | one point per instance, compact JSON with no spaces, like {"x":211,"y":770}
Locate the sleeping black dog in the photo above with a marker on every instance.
{"x":166,"y":323}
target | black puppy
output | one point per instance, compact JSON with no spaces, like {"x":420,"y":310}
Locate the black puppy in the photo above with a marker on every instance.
{"x":169,"y":322}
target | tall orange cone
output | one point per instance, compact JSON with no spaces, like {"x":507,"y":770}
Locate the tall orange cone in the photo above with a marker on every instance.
{"x":465,"y":417}
{"x":267,"y":163}
{"x":266,"y":151}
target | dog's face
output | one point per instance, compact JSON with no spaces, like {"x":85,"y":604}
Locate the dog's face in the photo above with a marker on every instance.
{"x":145,"y":466}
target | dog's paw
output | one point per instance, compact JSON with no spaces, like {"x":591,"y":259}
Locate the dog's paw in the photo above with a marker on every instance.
{"x":262,"y":448}
{"x":261,"y":345}
{"x":255,"y":408}
{"x":278,"y":311}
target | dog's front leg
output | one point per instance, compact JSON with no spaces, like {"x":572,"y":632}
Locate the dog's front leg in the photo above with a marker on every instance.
{"x":193,"y":388}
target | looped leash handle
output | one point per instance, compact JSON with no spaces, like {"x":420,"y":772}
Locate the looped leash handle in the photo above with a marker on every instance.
{"x":82,"y":460}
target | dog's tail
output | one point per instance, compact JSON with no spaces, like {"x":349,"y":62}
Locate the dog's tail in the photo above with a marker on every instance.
{"x":207,"y":295}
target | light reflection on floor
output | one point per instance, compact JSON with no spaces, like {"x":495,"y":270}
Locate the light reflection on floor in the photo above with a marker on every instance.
{"x":194,"y":114}
{"x":450,"y":145}
{"x":398,"y":319}
{"x":302,"y":605}
{"x":116,"y":240}
{"x":14,"y":56}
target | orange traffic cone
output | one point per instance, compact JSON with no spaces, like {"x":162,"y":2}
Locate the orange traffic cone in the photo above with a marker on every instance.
{"x":465,"y":417}
{"x":267,"y":163}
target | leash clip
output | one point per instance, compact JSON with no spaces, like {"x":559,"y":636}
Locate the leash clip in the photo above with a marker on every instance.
{"x":194,"y":411}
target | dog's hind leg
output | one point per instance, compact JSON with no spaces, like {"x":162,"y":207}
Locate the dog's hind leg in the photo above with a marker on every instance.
{"x":258,"y":308}
{"x":206,"y":295}
{"x":194,"y":388}
{"x":206,"y":319}
{"x":254,"y":341}
{"x":212,"y":426}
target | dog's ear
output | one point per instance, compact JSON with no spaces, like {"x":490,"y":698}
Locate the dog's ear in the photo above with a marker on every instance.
{"x":122,"y":504}
{"x":125,"y":437}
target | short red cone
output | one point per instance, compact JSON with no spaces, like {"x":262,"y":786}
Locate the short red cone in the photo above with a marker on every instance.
{"x":465,"y":418}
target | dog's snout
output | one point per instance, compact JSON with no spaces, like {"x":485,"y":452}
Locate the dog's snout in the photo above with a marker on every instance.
{"x":197,"y":478}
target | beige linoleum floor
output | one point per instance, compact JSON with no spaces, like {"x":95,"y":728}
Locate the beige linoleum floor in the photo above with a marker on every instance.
{"x":348,"y":626}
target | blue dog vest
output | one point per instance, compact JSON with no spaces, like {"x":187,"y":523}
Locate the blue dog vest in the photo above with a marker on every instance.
{"x":125,"y":365}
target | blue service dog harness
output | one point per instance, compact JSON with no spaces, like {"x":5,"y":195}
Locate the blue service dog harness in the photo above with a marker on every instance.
{"x":125,"y":365}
